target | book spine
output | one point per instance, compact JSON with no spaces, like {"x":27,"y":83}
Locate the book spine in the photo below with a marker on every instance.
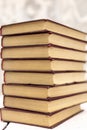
{"x":1,"y":114}
{"x":3,"y":89}
{"x":1,"y":31}
{"x":4,"y":77}
{"x":2,"y":41}
{"x":1,"y":52}
{"x":2,"y":64}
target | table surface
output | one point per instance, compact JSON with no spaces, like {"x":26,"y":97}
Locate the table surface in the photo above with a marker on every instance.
{"x":78,"y":122}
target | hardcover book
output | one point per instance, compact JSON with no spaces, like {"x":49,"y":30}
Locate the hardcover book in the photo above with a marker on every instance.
{"x":44,"y":106}
{"x":43,"y":92}
{"x":47,"y":78}
{"x":40,"y":26}
{"x":43,"y":65}
{"x":42,"y":52}
{"x":43,"y":39}
{"x":39,"y":119}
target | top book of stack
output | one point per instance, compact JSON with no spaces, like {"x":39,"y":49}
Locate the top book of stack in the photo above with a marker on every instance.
{"x":42,"y":25}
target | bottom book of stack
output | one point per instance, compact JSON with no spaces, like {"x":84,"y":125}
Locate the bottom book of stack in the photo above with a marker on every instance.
{"x":37,"y":118}
{"x":44,"y":106}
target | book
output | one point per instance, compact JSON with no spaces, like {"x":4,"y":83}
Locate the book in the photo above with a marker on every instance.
{"x":42,"y":52}
{"x":43,"y":92}
{"x":43,"y":65}
{"x":48,"y":78}
{"x":43,"y":39}
{"x":39,"y":119}
{"x":70,"y":124}
{"x":40,"y":26}
{"x":44,"y":106}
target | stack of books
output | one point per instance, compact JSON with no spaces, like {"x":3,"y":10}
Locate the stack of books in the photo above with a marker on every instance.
{"x":45,"y":78}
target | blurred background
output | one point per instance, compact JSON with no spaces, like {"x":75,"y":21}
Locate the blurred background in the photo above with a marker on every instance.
{"x":69,"y":12}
